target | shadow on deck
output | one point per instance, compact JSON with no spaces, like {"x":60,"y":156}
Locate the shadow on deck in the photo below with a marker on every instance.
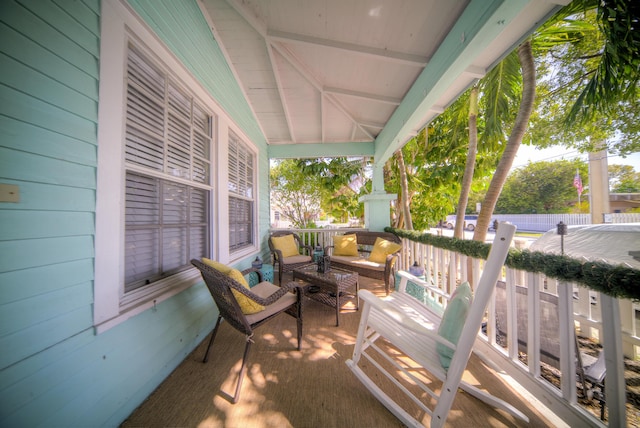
{"x":308,"y":388}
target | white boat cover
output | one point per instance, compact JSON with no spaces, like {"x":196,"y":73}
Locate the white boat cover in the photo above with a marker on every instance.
{"x":609,"y":243}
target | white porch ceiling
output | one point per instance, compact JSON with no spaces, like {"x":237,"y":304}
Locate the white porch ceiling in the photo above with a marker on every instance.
{"x":322,"y":73}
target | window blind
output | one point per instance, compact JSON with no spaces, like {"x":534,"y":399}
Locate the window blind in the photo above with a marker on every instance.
{"x":168,"y":134}
{"x":241,"y":194}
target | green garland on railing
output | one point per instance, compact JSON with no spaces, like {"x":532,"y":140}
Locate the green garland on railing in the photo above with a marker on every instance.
{"x":616,"y":281}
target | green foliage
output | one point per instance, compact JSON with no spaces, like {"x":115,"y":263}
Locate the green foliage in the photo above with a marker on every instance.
{"x":501,"y":90}
{"x":294,"y":194}
{"x":435,"y":161}
{"x":589,"y":91}
{"x":623,"y":179}
{"x":617,"y":73}
{"x":617,"y":281}
{"x":341,"y":180}
{"x":303,"y":189}
{"x":541,"y":187}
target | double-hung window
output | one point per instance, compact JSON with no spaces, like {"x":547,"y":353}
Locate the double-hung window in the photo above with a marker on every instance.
{"x":241,"y":194}
{"x":162,"y":197}
{"x":168,"y":140}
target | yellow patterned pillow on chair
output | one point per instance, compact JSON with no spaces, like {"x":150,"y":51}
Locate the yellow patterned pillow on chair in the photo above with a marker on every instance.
{"x":381,"y":249}
{"x":286,"y":244}
{"x":247,"y":305}
{"x":345,"y":245}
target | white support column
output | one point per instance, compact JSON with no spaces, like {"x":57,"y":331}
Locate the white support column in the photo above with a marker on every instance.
{"x":376,"y":204}
{"x":598,"y":186}
{"x":615,"y":394}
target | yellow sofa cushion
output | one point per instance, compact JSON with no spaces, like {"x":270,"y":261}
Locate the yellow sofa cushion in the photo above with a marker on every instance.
{"x":381,"y":249}
{"x":286,"y":244}
{"x":345,"y":245}
{"x":247,"y":306}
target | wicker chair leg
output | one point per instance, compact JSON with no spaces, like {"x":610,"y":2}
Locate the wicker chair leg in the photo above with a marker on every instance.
{"x":213,"y":336}
{"x":299,"y":321}
{"x":280,"y":274}
{"x":243,"y":369}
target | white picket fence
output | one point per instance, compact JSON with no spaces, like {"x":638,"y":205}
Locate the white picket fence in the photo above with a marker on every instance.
{"x":544,"y":222}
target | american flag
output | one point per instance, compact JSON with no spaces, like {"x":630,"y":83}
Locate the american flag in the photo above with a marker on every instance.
{"x":577,"y":182}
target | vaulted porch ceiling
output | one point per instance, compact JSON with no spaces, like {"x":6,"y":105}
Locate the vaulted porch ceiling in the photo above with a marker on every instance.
{"x":361,"y":77}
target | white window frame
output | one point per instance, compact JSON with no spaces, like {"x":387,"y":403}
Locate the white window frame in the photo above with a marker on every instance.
{"x":119,"y":24}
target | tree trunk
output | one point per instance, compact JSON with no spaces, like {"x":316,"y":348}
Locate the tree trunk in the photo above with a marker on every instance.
{"x":404,"y":186}
{"x":470,"y":164}
{"x":525,"y":55}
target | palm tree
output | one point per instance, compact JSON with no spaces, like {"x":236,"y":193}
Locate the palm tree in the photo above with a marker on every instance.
{"x":525,"y":55}
{"x":470,"y":163}
{"x":617,"y":75}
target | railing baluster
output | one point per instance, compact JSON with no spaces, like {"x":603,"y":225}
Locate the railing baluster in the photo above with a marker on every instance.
{"x":512,"y":315}
{"x":533,"y":326}
{"x":615,"y":384}
{"x":567,"y":342}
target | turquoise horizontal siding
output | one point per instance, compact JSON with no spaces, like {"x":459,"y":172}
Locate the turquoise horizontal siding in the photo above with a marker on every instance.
{"x":33,"y":139}
{"x":33,"y":83}
{"x":44,"y":224}
{"x":57,"y":38}
{"x":117,"y":371}
{"x":21,"y":107}
{"x":44,"y":307}
{"x":183,"y":28}
{"x":49,"y":56}
{"x":27,"y":283}
{"x":54,"y":369}
{"x":41,"y":336}
{"x":46,"y":170}
{"x":38,"y":196}
{"x":30,"y":253}
{"x":28,"y":51}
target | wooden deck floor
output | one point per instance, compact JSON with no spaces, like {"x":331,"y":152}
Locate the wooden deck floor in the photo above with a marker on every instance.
{"x":308,"y":388}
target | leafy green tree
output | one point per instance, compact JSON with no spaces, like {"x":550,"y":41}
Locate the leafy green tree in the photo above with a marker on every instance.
{"x":341,"y":180}
{"x":294,"y":193}
{"x":542,"y":188}
{"x":590,"y":72}
{"x":404,"y":200}
{"x":624,"y":179}
{"x":615,"y":76}
{"x":434,"y":164}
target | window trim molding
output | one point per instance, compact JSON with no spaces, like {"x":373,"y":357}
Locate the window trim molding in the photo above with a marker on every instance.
{"x":119,"y":24}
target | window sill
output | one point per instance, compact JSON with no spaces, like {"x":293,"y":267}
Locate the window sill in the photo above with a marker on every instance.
{"x":140,"y":301}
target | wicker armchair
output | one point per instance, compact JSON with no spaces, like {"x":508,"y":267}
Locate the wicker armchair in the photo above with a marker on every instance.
{"x":288,"y":264}
{"x":275,"y":299}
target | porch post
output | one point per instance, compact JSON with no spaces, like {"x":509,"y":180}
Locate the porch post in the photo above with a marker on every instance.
{"x":377,"y":204}
{"x":598,"y":185}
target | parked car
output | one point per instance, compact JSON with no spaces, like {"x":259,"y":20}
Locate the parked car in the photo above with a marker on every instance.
{"x":469,"y":222}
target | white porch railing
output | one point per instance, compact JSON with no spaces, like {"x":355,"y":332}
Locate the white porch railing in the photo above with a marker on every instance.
{"x":608,"y":321}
